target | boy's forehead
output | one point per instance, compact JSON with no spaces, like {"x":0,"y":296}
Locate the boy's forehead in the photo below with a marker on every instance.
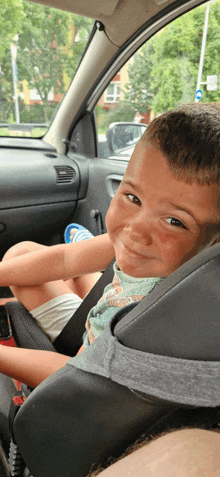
{"x":142,"y":158}
{"x":144,"y":149}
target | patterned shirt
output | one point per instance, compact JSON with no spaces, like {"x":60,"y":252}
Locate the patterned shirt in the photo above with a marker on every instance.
{"x":122,"y":291}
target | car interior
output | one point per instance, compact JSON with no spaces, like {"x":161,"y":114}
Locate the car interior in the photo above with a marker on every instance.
{"x":75,"y":420}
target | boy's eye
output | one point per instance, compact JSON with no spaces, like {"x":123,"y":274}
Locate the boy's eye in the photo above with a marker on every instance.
{"x":134,"y":199}
{"x":175,"y":222}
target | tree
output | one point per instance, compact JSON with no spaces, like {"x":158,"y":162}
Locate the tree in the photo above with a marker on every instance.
{"x":176,"y":59}
{"x":11,"y":16}
{"x":164,"y":72}
{"x":49,"y":45}
{"x":137,"y":92}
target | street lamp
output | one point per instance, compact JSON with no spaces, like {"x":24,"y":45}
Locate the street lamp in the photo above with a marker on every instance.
{"x":198,"y":96}
{"x":15,"y":77}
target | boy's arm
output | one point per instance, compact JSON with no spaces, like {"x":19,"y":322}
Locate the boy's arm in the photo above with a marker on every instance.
{"x":57,"y":262}
{"x":29,"y":366}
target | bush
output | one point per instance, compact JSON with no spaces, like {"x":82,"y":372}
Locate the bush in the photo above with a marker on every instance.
{"x":120,"y":113}
{"x":35,"y":113}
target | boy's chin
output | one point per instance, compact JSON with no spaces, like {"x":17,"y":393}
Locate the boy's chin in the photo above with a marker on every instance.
{"x":138,"y":266}
{"x":135,"y":271}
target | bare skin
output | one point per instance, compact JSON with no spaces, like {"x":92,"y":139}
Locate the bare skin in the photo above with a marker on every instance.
{"x":182,"y":453}
{"x":28,"y":366}
{"x":36,"y":284}
{"x":36,"y":296}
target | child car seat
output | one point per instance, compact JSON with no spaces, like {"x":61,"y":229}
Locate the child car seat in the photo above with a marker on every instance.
{"x":93,"y":409}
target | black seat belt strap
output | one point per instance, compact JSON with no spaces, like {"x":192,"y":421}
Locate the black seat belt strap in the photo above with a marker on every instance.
{"x":70,"y":339}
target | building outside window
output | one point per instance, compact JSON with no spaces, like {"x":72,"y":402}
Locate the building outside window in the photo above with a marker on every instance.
{"x":112,"y":94}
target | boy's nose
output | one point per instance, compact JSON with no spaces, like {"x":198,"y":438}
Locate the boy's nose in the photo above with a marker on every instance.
{"x":144,"y":238}
{"x":140,"y":231}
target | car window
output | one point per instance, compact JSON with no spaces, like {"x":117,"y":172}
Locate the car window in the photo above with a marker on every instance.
{"x":179,"y":65}
{"x":40,"y":49}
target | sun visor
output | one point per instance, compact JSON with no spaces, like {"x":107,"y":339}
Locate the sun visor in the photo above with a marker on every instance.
{"x":85,"y":7}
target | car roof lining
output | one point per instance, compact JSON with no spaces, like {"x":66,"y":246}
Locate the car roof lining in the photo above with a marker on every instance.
{"x":114,"y":14}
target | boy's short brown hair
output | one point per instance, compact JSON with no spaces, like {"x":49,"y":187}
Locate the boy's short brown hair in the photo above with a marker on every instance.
{"x":189,"y":138}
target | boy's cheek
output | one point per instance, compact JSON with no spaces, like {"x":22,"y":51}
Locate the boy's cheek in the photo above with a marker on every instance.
{"x":114,"y":214}
{"x":174,"y":252}
{"x":164,"y":238}
{"x":168,"y":245}
{"x":108,"y":217}
{"x":171,"y":247}
{"x":109,"y":220}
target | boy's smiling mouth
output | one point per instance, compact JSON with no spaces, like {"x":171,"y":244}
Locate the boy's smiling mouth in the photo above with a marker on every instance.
{"x":135,"y":253}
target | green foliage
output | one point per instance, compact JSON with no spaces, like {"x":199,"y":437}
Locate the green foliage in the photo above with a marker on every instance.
{"x":119,"y":113}
{"x":11,"y":17}
{"x":164,"y":72}
{"x":137,"y":92}
{"x":175,"y":63}
{"x":177,"y":55}
{"x":49,"y":47}
{"x":6,"y":88}
{"x":34,"y":113}
{"x":45,"y":51}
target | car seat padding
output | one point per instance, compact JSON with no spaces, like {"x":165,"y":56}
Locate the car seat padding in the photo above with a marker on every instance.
{"x":76,"y":419}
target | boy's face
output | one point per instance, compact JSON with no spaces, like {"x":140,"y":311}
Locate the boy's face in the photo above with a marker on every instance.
{"x":156,"y":222}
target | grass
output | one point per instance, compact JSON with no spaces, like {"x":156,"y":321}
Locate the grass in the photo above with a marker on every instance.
{"x":36,"y":133}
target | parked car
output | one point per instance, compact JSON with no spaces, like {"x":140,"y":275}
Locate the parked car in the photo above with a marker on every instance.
{"x":120,"y":139}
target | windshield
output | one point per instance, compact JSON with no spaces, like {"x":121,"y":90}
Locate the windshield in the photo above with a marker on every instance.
{"x":40,"y":49}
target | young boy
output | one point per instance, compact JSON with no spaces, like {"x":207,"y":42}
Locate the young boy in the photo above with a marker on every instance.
{"x":166,"y":210}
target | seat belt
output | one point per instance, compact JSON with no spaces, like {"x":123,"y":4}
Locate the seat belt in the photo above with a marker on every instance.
{"x":70,"y":339}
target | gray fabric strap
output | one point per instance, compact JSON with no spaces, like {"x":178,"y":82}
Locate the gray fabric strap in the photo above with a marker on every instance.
{"x":177,"y":380}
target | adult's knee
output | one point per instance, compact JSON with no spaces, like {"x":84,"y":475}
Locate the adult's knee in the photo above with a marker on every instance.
{"x":186,"y":453}
{"x":182,"y":453}
{"x":20,"y":249}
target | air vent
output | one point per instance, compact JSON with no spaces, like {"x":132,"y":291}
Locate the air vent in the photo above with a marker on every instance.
{"x":65,"y":174}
